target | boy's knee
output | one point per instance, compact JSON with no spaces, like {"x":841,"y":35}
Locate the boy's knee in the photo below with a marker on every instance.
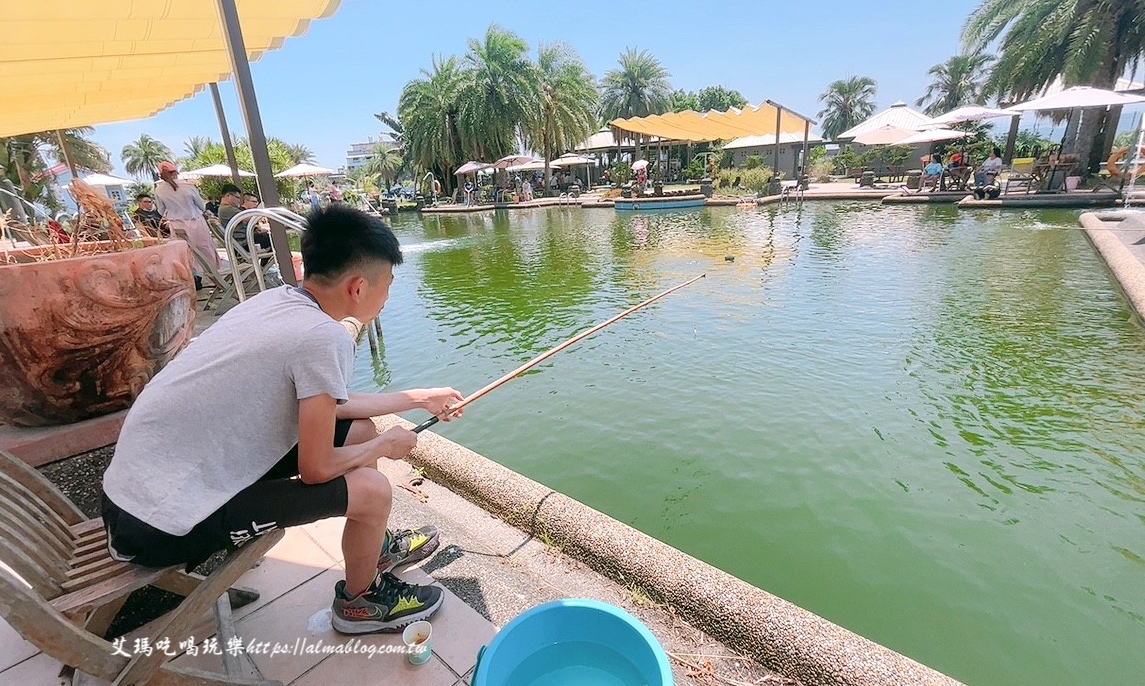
{"x":361,"y":430}
{"x":368,"y":494}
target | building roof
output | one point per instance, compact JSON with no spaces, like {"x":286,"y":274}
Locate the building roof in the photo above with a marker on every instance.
{"x":769,"y":139}
{"x":86,"y":63}
{"x":897,"y":115}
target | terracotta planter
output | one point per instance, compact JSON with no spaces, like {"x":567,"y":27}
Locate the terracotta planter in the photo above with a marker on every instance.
{"x":80,"y":337}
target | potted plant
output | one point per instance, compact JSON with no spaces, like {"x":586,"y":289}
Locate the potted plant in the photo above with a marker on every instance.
{"x":84,"y":325}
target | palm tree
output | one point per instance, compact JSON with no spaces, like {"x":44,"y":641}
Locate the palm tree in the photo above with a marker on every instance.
{"x":143,"y":157}
{"x":1084,"y":42}
{"x":195,"y":145}
{"x":498,"y":96}
{"x":22,"y":164}
{"x":566,"y":112}
{"x":299,"y":153}
{"x":846,"y":102}
{"x":637,"y":89}
{"x":383,"y":164}
{"x":956,"y":82}
{"x":428,"y":109}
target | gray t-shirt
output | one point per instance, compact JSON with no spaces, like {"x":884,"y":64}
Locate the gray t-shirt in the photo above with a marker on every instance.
{"x":225,"y":410}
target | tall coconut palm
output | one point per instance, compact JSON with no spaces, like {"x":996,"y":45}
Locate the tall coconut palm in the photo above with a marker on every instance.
{"x":498,"y":96}
{"x":846,"y":102}
{"x":1084,"y":42}
{"x":428,"y":109}
{"x":143,"y":157}
{"x":195,"y":145}
{"x":956,"y":82}
{"x":637,"y":89}
{"x":299,"y":153}
{"x":566,"y":111}
{"x":382,"y":165}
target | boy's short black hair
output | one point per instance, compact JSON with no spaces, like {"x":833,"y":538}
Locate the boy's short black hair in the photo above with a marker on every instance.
{"x":997,"y":152}
{"x":339,"y":238}
{"x":229,"y":188}
{"x":140,"y":196}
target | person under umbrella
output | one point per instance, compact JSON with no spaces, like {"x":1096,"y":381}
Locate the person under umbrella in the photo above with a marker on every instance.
{"x":183,"y":208}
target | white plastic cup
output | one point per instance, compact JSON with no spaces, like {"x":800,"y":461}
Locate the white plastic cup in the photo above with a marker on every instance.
{"x":417,"y":640}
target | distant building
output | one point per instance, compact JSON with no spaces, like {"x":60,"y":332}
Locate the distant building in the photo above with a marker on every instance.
{"x":359,"y":153}
{"x":790,"y":150}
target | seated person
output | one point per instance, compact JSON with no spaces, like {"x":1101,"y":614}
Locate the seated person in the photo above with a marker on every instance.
{"x":932,"y":173}
{"x":957,"y":170}
{"x":227,"y":211}
{"x":991,"y":191}
{"x":988,"y":173}
{"x":301,"y":449}
{"x":229,"y":205}
{"x":148,"y":217}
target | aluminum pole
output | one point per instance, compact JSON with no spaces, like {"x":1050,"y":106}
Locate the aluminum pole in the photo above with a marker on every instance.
{"x":227,"y":145}
{"x":248,"y":103}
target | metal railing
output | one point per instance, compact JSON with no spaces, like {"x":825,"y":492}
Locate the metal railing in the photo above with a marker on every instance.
{"x":251,"y":255}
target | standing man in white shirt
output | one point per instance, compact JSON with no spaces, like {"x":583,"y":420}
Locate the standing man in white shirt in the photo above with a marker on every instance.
{"x":183,"y":208}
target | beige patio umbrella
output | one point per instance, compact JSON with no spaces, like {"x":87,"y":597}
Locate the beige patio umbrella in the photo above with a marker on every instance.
{"x":933,"y":136}
{"x":213,"y":170}
{"x":971,"y":113}
{"x":884,"y":135}
{"x":571,"y":159}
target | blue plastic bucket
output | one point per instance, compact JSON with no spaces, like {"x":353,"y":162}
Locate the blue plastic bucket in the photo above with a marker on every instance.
{"x":573,"y":641}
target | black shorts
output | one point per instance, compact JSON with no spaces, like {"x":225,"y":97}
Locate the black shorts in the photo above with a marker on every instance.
{"x":278,"y":500}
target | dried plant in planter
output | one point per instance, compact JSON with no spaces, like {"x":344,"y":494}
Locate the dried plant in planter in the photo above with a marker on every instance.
{"x":81,"y":337}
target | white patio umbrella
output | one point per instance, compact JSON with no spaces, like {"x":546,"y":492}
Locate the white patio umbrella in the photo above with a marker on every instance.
{"x":301,"y":170}
{"x":105,"y":180}
{"x":1078,"y":97}
{"x":471,"y":168}
{"x":535,"y":165}
{"x":511,"y":161}
{"x":884,"y":135}
{"x":213,"y":170}
{"x":971,"y":113}
{"x":933,"y":136}
{"x":571,"y":159}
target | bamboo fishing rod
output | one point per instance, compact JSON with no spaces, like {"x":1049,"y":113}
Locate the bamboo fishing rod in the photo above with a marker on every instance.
{"x":546,"y":355}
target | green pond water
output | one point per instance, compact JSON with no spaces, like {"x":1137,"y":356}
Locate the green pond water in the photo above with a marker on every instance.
{"x":923,"y":424}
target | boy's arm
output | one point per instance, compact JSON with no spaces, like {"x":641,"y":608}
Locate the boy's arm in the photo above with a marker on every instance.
{"x":319,"y":461}
{"x":432,"y":400}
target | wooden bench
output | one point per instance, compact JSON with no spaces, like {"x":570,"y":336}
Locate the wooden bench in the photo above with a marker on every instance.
{"x":60,"y":590}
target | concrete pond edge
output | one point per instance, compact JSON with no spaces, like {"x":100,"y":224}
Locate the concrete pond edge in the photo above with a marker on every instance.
{"x":1126,"y":268}
{"x":778,"y":634}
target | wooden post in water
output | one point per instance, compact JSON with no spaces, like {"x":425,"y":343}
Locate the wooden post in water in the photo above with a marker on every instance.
{"x":373,"y":336}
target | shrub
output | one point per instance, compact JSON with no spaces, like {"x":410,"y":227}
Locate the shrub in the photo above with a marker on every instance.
{"x":695,"y":170}
{"x":821,"y":171}
{"x":752,"y":162}
{"x":756,"y":179}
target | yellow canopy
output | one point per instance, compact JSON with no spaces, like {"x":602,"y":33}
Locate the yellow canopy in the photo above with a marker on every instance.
{"x":69,"y":63}
{"x":693,"y":127}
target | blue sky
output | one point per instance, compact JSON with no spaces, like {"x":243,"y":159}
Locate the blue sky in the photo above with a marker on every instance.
{"x":323,"y":88}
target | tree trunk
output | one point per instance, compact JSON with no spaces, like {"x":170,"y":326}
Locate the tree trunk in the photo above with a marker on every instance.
{"x":1091,"y":125}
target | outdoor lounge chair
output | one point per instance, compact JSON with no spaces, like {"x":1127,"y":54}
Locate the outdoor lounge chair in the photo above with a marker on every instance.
{"x":60,"y":590}
{"x":1021,"y":175}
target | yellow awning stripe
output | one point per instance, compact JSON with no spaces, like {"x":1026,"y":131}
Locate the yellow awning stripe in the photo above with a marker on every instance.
{"x":69,"y":63}
{"x":693,"y":127}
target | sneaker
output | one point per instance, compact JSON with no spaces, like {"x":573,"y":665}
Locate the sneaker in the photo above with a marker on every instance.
{"x":388,"y":605}
{"x":407,"y":547}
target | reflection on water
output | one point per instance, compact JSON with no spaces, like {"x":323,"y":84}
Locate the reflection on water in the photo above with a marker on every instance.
{"x":922,"y":423}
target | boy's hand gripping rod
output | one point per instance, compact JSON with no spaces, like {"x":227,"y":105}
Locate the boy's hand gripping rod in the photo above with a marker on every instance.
{"x":546,"y":355}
